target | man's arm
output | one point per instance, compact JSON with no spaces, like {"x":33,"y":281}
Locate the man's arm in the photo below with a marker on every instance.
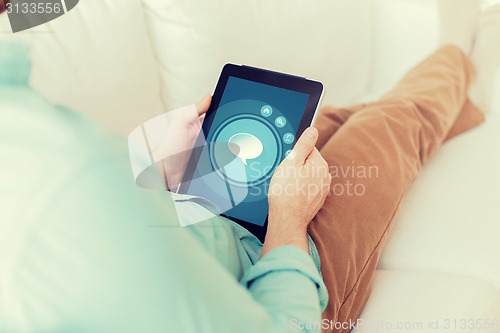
{"x":298,"y":190}
{"x":86,"y":250}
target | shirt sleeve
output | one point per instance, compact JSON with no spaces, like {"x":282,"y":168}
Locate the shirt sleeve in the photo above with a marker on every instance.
{"x":85,"y":250}
{"x":107,"y":259}
{"x":287,"y":283}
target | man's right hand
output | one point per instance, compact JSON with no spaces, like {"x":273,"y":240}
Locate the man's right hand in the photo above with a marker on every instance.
{"x":297,"y":191}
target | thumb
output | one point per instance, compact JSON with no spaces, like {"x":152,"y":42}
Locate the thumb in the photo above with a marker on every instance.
{"x":203,"y":105}
{"x":305,"y":144}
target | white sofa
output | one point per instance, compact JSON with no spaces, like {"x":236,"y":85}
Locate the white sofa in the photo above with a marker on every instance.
{"x":122,"y":62}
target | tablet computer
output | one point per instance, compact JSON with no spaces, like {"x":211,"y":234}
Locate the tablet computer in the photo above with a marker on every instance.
{"x":253,"y":121}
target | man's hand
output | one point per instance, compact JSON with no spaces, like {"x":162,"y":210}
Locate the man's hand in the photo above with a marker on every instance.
{"x":297,"y":191}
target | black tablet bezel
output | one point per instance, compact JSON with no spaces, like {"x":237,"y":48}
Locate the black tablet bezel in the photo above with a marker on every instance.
{"x":295,"y":83}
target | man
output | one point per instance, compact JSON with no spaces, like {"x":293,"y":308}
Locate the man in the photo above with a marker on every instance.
{"x":84,"y":250}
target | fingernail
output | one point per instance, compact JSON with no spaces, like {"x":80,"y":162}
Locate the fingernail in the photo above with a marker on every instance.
{"x":312,"y":132}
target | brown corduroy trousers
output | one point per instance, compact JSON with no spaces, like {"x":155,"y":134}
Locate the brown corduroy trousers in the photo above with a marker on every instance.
{"x":374,"y":152}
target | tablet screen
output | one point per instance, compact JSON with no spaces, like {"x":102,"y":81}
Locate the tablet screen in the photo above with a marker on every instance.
{"x":253,"y":129}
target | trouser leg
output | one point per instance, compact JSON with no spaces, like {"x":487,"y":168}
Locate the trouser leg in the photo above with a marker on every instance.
{"x":374,"y":154}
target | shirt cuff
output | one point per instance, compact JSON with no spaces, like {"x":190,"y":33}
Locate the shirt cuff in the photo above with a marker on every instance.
{"x":287,"y":258}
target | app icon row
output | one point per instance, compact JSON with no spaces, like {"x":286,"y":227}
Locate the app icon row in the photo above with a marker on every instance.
{"x":280,"y":122}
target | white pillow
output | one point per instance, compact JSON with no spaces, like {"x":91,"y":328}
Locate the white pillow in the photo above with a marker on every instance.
{"x":405,"y":32}
{"x":327,"y":40}
{"x":96,"y":59}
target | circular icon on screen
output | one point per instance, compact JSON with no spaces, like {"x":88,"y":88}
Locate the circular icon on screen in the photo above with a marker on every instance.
{"x":280,"y":122}
{"x":266,"y":111}
{"x":253,"y":145}
{"x":288,"y":138}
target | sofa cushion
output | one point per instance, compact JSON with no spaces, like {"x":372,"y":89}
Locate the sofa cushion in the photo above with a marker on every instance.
{"x":96,"y":59}
{"x":409,"y":301}
{"x":450,"y":218}
{"x":405,"y":32}
{"x":324,"y":40}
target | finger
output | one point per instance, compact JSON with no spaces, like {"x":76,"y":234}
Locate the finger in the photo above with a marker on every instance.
{"x":314,"y":156}
{"x":203,"y":105}
{"x":305,"y":144}
{"x":201,"y":118}
{"x":316,"y":162}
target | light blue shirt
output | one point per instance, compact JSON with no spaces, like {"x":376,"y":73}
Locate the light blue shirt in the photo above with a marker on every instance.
{"x":83,"y":249}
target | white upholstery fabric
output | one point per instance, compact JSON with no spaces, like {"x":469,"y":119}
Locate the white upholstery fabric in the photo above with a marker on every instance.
{"x":324,"y":40}
{"x":96,"y":59}
{"x":450,"y":217}
{"x":410,"y":301}
{"x":405,"y":32}
{"x":495,"y":103}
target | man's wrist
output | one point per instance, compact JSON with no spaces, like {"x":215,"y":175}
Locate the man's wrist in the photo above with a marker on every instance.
{"x":282,"y":233}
